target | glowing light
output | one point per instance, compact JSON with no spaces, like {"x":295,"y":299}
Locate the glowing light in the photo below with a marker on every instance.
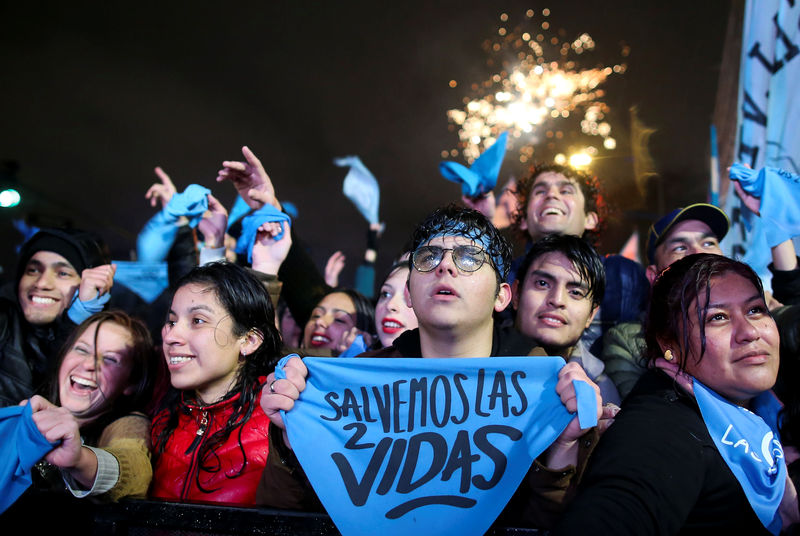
{"x":610,"y":143}
{"x":9,"y":198}
{"x":537,"y":84}
{"x":580,"y":160}
{"x":560,"y":159}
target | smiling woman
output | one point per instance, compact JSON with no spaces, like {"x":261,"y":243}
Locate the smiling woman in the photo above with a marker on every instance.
{"x":335,"y":321}
{"x":104,"y":381}
{"x":694,"y":448}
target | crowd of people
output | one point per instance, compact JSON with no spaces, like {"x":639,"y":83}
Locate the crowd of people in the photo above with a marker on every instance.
{"x":176,"y":397}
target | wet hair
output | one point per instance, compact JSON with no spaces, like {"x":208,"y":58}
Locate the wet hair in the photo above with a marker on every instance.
{"x":686,"y":281}
{"x":453,"y":220}
{"x":143,"y":368}
{"x":583,"y":257}
{"x":594,"y":200}
{"x":249,"y":305}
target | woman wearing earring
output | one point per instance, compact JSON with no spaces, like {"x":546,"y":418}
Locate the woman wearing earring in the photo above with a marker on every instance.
{"x":695,"y":449}
{"x":220,"y":341}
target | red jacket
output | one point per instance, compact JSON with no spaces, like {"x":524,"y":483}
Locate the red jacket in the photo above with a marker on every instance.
{"x":176,"y":469}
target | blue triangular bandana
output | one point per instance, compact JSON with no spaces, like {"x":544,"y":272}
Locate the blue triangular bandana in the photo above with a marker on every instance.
{"x":779,"y":191}
{"x":360,"y":187}
{"x":252,"y":222}
{"x":481,"y":177}
{"x":192,"y":203}
{"x":423,"y":446}
{"x":750,"y":446}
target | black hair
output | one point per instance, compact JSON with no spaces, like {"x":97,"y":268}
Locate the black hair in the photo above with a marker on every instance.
{"x":683,"y":282}
{"x":365,"y":309}
{"x":249,"y":305}
{"x":594,"y":200}
{"x":580,"y":253}
{"x":459,"y":221}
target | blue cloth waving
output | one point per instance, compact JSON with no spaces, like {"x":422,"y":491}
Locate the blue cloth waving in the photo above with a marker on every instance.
{"x":360,"y":187}
{"x":481,"y":177}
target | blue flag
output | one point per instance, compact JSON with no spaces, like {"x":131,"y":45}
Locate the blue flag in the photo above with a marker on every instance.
{"x":360,"y":187}
{"x":423,"y":446}
{"x":481,"y":177}
{"x":147,"y":279}
{"x":749,"y":444}
{"x":22,"y":446}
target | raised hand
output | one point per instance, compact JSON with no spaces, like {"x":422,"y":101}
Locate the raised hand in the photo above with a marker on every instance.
{"x":280,"y":395}
{"x":161,"y":192}
{"x":247,"y":176}
{"x":96,"y":281}
{"x":333,"y":268}
{"x":269,"y":253}
{"x":214,"y":223}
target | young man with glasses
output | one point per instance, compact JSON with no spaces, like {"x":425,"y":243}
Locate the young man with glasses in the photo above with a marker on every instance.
{"x":456,"y":283}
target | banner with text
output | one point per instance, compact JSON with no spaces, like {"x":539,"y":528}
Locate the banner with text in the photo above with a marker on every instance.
{"x":399,"y":446}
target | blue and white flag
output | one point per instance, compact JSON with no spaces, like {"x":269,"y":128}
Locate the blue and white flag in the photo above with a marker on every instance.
{"x":425,"y":446}
{"x":360,"y":187}
{"x":750,"y":446}
{"x":768,"y":115}
{"x":481,"y":177}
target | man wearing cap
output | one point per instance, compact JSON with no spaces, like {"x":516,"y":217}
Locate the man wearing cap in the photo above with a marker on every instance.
{"x":697,"y":228}
{"x":63,"y":276}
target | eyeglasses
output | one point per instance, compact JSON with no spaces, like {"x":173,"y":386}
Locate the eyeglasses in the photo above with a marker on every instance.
{"x":467,"y":258}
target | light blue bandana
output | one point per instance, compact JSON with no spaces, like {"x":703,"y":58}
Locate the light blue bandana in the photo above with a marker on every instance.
{"x":22,"y":446}
{"x":360,"y":187}
{"x":750,"y":446}
{"x":779,"y":191}
{"x":424,"y":446}
{"x":481,"y":177}
{"x":252,"y":222}
{"x":192,"y":203}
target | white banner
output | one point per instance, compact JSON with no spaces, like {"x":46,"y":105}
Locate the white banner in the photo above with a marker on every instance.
{"x":768,"y":115}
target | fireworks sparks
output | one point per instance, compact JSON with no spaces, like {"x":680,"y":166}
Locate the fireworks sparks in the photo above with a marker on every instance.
{"x":539,"y":85}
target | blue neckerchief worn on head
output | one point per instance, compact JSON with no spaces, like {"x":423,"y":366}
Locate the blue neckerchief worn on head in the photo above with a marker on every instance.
{"x":360,"y":187}
{"x":424,"y":446}
{"x":469,"y":233}
{"x":481,"y":177}
{"x":192,"y":203}
{"x":779,"y":191}
{"x":252,"y":222}
{"x":750,"y":446}
{"x":21,"y":447}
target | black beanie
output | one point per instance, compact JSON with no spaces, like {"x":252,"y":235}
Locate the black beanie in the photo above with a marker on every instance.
{"x":81,"y":249}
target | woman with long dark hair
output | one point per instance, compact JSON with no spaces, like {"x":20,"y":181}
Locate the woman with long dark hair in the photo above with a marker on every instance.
{"x":220,"y":341}
{"x":695,"y":447}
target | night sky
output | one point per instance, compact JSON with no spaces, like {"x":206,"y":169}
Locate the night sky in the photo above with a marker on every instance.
{"x":92,"y":97}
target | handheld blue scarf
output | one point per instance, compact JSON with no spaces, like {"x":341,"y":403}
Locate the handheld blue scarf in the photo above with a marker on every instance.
{"x":252,"y":222}
{"x":749,"y":444}
{"x":22,"y":446}
{"x":192,"y":203}
{"x":779,"y":191}
{"x":481,"y":177}
{"x":433,"y":446}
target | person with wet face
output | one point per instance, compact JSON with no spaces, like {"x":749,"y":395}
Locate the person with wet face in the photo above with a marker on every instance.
{"x":682,"y":457}
{"x":63,"y":276}
{"x":456,"y":284}
{"x":556,"y":295}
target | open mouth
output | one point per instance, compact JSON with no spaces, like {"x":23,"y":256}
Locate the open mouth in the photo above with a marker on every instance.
{"x":41,"y":300}
{"x":82,"y":384}
{"x":552,"y":211}
{"x":179,"y":359}
{"x":391,"y":326}
{"x":552,"y":321}
{"x":319,"y":340}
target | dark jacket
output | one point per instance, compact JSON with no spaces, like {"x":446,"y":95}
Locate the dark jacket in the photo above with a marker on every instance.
{"x":657,"y":471}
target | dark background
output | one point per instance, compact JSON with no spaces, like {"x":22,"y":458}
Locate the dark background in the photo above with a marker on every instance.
{"x":93,"y":96}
